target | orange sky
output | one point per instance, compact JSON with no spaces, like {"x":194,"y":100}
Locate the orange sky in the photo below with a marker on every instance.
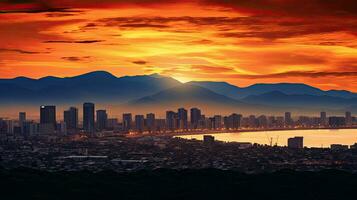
{"x":238,"y":41}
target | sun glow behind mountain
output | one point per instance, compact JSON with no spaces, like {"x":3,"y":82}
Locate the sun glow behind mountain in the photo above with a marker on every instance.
{"x":312,"y":42}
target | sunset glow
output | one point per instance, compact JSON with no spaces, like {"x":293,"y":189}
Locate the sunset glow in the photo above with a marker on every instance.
{"x":270,"y":41}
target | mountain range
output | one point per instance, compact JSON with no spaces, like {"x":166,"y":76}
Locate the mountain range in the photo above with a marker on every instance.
{"x":154,"y":91}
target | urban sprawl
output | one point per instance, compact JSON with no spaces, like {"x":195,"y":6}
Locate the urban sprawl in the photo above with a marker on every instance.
{"x":146,"y":143}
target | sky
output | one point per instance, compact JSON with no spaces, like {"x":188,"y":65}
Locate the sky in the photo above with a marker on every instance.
{"x":238,"y":41}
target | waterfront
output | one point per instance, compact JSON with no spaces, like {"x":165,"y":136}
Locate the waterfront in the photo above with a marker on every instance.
{"x":312,"y":138}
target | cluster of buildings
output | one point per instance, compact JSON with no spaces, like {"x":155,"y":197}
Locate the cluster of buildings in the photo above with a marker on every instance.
{"x":124,"y":154}
{"x":183,"y":120}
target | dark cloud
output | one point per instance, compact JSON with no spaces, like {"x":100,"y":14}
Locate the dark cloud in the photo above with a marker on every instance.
{"x":290,"y":7}
{"x":54,"y":12}
{"x":76,"y":59}
{"x":140,"y":62}
{"x":144,"y":26}
{"x":76,"y":41}
{"x":20,"y":51}
{"x":275,"y":7}
{"x":266,"y":27}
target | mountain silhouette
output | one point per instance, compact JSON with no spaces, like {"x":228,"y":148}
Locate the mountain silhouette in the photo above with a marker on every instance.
{"x":157,"y":91}
{"x":258,"y":89}
{"x":96,"y":86}
{"x":304,"y":101}
{"x":188,"y":95}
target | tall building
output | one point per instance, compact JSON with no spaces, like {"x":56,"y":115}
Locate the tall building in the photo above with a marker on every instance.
{"x":348,"y":117}
{"x":150,"y":122}
{"x":139,"y":123}
{"x":71,"y":118}
{"x":252,"y":120}
{"x":323,"y":119}
{"x":336,"y":122}
{"x":22,"y":117}
{"x":288,"y":119}
{"x":48,"y":116}
{"x":127,"y":121}
{"x":182,"y":118}
{"x":102,"y":118}
{"x":195,"y":117}
{"x":296,"y":142}
{"x":22,"y":120}
{"x":88,"y":117}
{"x":217,"y":122}
{"x":3,"y":127}
{"x":170,"y":120}
{"x":30,"y":128}
{"x":113,"y":124}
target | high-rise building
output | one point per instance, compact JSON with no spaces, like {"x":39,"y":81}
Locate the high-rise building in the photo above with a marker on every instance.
{"x":71,"y":118}
{"x":102,"y":118}
{"x":217,"y":122}
{"x":296,"y":142}
{"x":127,"y":121}
{"x":113,"y":124}
{"x":63,"y":128}
{"x":22,"y":120}
{"x":262,"y":121}
{"x":30,"y":128}
{"x":88,"y":117}
{"x":3,"y":127}
{"x":252,"y":120}
{"x":22,"y":117}
{"x":288,"y":119}
{"x":336,"y":122}
{"x":323,"y":119}
{"x":151,"y":122}
{"x":348,"y":117}
{"x":171,"y":120}
{"x":182,"y":118}
{"x":139,"y":123}
{"x":195,"y":117}
{"x":48,"y":115}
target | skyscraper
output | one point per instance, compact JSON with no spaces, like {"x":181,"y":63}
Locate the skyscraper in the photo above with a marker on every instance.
{"x":150,"y":122}
{"x":102,"y":118}
{"x":139,"y":123}
{"x":22,"y":117}
{"x":127,"y":121}
{"x":22,"y":120}
{"x":182,"y":118}
{"x":170,"y":120}
{"x":348,"y":117}
{"x":195,"y":117}
{"x":323,"y":119}
{"x":235,"y":120}
{"x":71,"y":118}
{"x":288,"y":119}
{"x":217,"y":122}
{"x":48,"y":115}
{"x":88,"y":117}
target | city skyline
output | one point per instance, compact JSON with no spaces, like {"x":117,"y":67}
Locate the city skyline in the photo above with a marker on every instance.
{"x":191,"y":119}
{"x":235,"y":41}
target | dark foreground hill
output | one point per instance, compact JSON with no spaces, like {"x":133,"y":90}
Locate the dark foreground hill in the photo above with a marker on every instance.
{"x":171,"y":184}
